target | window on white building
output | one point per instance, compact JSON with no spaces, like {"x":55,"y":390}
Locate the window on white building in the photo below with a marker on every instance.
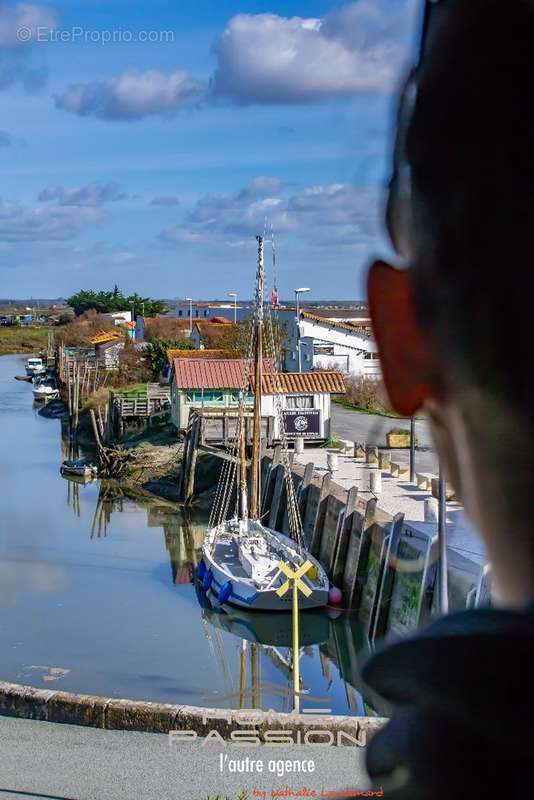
{"x":299,"y":401}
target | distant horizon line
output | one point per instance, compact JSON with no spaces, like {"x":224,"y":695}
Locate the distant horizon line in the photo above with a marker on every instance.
{"x":176,"y":300}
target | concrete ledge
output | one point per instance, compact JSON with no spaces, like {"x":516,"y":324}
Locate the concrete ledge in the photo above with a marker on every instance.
{"x":424,"y":480}
{"x":24,"y":701}
{"x":77,"y":709}
{"x":136,"y":715}
{"x":27,"y":702}
{"x":400,"y":471}
{"x":450,"y":493}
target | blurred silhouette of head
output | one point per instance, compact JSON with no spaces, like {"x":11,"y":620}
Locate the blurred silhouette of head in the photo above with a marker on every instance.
{"x":452,"y":323}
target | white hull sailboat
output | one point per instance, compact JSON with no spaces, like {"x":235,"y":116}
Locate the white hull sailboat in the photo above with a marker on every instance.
{"x":240,"y":556}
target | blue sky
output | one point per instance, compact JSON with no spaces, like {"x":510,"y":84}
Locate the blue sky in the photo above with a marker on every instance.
{"x":152,"y":164}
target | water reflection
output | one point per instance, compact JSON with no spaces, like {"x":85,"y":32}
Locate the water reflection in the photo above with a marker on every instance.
{"x":250,"y":651}
{"x":98,"y":587}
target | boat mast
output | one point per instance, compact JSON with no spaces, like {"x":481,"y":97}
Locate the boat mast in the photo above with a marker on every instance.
{"x":255,"y":487}
{"x":242,"y":460}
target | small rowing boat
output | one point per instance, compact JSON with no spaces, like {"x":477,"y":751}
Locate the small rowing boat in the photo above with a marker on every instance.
{"x":79,"y":468}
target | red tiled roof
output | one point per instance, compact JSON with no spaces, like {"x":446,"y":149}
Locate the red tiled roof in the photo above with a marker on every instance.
{"x":217,"y":354}
{"x":303,"y":383}
{"x":353,"y":325}
{"x":204,"y":373}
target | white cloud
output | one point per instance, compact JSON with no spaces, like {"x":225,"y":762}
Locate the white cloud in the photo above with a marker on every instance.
{"x":266,"y":58}
{"x":331,"y":214}
{"x":359,"y":48}
{"x":47,"y":222}
{"x":133,"y":95}
{"x":94,"y":194}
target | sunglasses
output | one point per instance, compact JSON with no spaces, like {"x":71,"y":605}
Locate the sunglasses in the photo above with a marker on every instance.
{"x":399,"y":202}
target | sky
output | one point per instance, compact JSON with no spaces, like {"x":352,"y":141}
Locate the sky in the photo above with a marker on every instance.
{"x":146,"y":145}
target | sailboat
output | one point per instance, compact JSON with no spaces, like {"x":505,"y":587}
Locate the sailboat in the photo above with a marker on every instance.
{"x":241,"y":556}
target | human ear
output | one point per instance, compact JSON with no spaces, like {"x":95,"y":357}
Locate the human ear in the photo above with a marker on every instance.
{"x":408,"y":363}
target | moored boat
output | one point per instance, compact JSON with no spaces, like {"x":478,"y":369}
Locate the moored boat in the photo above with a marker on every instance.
{"x":242,"y":558}
{"x":35,"y":366}
{"x":45,"y":389}
{"x":79,"y":468}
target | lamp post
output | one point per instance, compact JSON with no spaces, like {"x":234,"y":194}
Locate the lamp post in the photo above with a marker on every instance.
{"x":302,"y":290}
{"x":234,"y":295}
{"x":190,"y":299}
{"x":412,"y":450}
{"x":442,"y":543}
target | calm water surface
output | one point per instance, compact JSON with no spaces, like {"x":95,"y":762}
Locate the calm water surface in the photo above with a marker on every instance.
{"x":96,"y":593}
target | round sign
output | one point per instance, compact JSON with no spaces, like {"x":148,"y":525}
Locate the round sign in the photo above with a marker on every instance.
{"x":301,"y":424}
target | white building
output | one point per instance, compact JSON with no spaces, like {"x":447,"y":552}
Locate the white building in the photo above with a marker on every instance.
{"x":304,"y":400}
{"x":330,"y":344}
{"x":118,"y":317}
{"x":206,"y":311}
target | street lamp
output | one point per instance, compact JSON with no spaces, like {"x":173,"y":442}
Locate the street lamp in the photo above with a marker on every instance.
{"x":302,"y":290}
{"x":442,"y":542}
{"x":234,"y":295}
{"x":190,"y":299}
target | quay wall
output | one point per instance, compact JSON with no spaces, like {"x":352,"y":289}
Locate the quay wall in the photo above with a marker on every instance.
{"x":111,"y":713}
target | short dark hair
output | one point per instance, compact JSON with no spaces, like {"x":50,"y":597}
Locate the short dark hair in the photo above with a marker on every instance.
{"x":468,"y":149}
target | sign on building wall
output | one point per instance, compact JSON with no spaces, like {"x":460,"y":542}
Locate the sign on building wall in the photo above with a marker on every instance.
{"x":304,"y":422}
{"x":323,"y":349}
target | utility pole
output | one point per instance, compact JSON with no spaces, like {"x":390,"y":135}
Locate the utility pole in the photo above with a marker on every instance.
{"x":442,"y":543}
{"x":412,"y":450}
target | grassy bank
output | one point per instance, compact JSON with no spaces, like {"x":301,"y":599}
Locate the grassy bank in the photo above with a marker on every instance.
{"x":342,"y":401}
{"x":17,"y":339}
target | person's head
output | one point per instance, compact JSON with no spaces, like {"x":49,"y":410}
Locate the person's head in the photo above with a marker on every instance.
{"x":453,"y":324}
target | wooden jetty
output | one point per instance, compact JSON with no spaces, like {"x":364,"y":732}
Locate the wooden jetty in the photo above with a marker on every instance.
{"x":214,"y":431}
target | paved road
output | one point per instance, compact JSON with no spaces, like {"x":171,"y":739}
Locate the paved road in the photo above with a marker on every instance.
{"x":67,"y":762}
{"x":372,"y":429}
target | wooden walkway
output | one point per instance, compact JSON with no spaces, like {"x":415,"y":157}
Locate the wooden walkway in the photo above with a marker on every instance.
{"x":143,"y":403}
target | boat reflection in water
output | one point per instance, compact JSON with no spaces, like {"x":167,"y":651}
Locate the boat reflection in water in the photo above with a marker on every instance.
{"x":264,"y":627}
{"x":333,"y":647}
{"x":249,"y":653}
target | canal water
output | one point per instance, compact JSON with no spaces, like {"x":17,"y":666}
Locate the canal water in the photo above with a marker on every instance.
{"x":96,"y":594}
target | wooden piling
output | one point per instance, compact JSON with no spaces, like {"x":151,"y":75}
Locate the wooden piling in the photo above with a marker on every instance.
{"x":315,"y":542}
{"x":340,"y":556}
{"x":363,"y":518}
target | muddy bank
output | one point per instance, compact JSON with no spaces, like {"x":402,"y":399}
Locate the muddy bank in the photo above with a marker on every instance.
{"x":155,"y":469}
